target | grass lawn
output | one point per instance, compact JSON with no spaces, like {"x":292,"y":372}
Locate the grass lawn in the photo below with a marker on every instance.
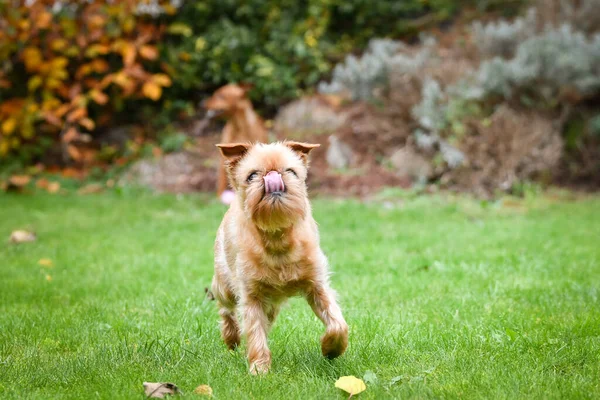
{"x":445,"y":298}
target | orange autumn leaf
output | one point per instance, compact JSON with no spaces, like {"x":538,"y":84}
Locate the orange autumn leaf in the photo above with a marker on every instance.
{"x":98,"y":96}
{"x":152,"y":91}
{"x":122,"y":80}
{"x":43,"y":20}
{"x":149,"y":52}
{"x":96,"y":21}
{"x":52,"y":119}
{"x":128,"y":52}
{"x":99,"y":66}
{"x":87,"y":124}
{"x":32,"y":57}
{"x":62,"y":110}
{"x":70,"y":135}
{"x":83,"y":70}
{"x":77,"y":114}
{"x":58,"y":44}
{"x":161,"y":80}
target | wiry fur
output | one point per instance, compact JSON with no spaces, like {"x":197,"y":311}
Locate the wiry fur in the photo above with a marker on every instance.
{"x":267,"y":249}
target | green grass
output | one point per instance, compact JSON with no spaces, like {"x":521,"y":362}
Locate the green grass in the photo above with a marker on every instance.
{"x":448,"y":298}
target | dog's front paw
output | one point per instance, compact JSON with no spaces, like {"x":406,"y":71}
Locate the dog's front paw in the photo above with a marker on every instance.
{"x":260,"y":367}
{"x":335,"y":342}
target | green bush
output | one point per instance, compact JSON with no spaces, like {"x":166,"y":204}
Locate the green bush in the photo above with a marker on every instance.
{"x":280,"y":46}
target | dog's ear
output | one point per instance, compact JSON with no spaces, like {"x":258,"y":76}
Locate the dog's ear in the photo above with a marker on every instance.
{"x":302,"y":149}
{"x":233,"y":153}
{"x":246,"y":86}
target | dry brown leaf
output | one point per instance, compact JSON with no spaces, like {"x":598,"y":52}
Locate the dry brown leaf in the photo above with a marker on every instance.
{"x":351,"y":384}
{"x":19,"y":180}
{"x":46,"y":262}
{"x":42,"y":183}
{"x":160,"y":389}
{"x":204,"y":390}
{"x":21,"y":236}
{"x":91,"y":188}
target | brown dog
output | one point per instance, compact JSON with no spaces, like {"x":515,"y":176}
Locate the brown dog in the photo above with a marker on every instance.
{"x":243,"y":124}
{"x":267,"y":249}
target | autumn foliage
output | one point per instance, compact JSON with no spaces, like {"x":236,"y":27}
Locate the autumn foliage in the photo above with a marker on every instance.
{"x":69,"y":66}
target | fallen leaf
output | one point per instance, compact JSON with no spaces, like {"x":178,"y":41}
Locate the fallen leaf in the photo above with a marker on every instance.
{"x":204,"y":390}
{"x":42,"y":183}
{"x":53,"y":187}
{"x":91,"y":188}
{"x":351,"y":384}
{"x":46,"y":262}
{"x":48,"y":278}
{"x":19,"y":180}
{"x":22,"y":236}
{"x":160,"y":389}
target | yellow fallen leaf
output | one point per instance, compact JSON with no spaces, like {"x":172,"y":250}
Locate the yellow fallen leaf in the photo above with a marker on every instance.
{"x":46,"y":262}
{"x":48,"y":278}
{"x":351,"y":384}
{"x":204,"y":390}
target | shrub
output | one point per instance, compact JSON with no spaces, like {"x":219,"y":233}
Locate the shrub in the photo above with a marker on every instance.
{"x":502,"y":38}
{"x":360,"y":77}
{"x":283,"y":47}
{"x":68,"y":67}
{"x":545,"y":66}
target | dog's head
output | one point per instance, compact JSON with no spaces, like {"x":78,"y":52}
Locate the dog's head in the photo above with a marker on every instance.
{"x":227,"y":100}
{"x":270,"y":181}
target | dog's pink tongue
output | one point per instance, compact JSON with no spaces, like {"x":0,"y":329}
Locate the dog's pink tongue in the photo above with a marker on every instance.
{"x":273,"y":182}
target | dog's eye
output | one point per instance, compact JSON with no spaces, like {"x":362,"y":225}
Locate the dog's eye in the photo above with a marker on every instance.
{"x":292,"y":172}
{"x":251,"y":176}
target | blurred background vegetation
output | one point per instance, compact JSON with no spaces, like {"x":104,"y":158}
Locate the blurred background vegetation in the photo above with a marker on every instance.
{"x":93,"y":83}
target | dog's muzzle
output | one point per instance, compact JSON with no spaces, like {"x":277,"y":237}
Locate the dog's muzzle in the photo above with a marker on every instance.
{"x":273,"y":182}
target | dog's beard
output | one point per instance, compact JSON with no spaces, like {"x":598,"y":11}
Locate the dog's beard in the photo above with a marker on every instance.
{"x":275,"y":211}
